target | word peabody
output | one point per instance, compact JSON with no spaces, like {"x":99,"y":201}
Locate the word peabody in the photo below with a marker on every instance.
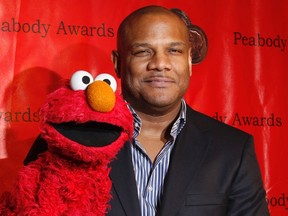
{"x":278,"y":201}
{"x":36,"y":27}
{"x":260,"y":40}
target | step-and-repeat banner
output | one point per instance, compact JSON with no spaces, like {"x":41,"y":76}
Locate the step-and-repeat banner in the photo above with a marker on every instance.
{"x":243,"y":81}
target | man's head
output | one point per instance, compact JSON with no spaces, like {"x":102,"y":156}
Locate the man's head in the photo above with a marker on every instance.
{"x":153,"y":58}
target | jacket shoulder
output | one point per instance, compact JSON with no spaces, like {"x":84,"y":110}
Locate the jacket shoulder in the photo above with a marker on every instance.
{"x":217,"y":129}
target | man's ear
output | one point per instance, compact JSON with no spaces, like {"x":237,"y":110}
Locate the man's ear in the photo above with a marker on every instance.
{"x":116,"y":62}
{"x":190,"y":62}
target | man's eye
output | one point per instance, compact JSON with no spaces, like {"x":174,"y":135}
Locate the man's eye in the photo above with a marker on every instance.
{"x":176,"y":51}
{"x":141,"y":53}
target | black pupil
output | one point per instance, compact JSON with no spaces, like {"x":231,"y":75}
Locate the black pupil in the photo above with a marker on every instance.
{"x":107,"y":81}
{"x":85,"y":79}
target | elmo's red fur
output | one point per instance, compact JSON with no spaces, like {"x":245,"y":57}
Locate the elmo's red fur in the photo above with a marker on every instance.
{"x":70,"y":178}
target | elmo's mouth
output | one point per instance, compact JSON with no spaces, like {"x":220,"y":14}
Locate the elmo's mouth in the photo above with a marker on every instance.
{"x":93,"y":134}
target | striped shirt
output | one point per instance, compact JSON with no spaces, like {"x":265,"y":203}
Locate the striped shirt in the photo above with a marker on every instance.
{"x":150,"y":176}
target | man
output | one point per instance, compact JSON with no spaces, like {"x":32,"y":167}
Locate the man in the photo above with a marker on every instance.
{"x":180,"y":162}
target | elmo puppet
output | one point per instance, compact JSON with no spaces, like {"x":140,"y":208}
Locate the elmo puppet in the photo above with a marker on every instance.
{"x":84,"y":125}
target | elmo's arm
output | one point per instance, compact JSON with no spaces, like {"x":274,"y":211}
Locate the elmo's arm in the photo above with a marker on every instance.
{"x":23,"y":196}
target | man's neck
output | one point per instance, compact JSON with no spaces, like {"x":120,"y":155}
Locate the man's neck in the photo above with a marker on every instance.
{"x":155,"y":130}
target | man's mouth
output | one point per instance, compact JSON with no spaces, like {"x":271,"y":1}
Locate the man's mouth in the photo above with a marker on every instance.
{"x":92,"y":134}
{"x":159,"y":82}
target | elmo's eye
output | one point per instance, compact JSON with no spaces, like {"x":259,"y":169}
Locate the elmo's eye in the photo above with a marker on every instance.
{"x":80,"y":80}
{"x":108,"y":79}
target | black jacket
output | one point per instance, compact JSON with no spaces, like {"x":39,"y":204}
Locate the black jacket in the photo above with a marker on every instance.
{"x":213,"y":171}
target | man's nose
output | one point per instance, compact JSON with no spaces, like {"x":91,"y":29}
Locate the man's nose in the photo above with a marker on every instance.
{"x":160,"y":61}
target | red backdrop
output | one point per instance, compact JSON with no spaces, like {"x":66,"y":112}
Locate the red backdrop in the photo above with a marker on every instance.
{"x":242,"y":82}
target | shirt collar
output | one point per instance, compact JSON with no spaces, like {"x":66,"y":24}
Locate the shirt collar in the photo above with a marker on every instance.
{"x":178,"y":124}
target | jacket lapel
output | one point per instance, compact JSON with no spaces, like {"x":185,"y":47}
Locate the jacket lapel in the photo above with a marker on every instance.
{"x":124,"y":185}
{"x":189,"y":150}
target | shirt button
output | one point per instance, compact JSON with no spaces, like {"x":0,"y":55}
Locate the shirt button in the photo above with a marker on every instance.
{"x":150,"y":188}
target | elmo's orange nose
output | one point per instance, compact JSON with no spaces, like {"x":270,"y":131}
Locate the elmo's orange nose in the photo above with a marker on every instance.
{"x":100,"y":96}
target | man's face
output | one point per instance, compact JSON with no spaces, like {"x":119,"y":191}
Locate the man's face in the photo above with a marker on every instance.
{"x":155,"y":61}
